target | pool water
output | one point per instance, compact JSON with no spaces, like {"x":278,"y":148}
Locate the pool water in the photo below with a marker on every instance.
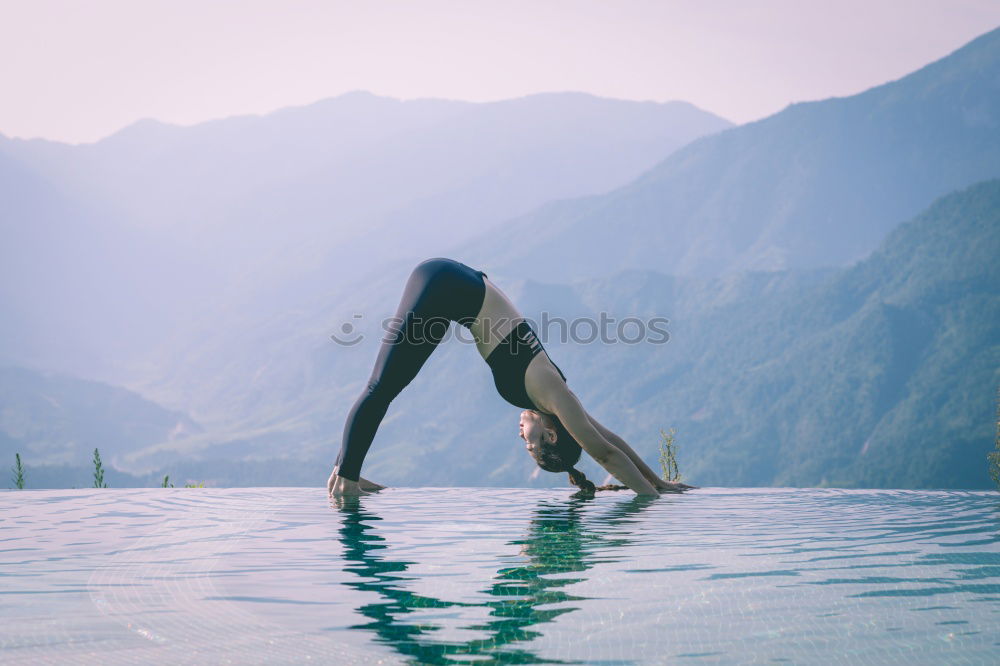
{"x":496,"y":576}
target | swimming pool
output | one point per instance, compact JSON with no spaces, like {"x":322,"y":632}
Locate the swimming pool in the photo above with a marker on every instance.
{"x":480,"y":575}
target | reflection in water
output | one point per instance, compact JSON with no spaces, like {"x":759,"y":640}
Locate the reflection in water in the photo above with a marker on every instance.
{"x":557,"y":542}
{"x":723,"y":575}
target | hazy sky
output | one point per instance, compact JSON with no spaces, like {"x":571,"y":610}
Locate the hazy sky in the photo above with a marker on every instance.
{"x":79,"y":70}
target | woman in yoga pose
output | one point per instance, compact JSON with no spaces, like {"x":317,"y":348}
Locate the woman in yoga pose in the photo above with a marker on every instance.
{"x":554,"y":425}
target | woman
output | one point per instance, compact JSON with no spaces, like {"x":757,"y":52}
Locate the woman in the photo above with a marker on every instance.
{"x":554,"y":426}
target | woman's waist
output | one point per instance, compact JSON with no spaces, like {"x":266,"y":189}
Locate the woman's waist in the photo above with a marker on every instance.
{"x":490,"y":334}
{"x":513,"y":343}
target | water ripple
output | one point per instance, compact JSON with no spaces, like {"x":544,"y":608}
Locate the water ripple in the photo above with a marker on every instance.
{"x":459,"y":575}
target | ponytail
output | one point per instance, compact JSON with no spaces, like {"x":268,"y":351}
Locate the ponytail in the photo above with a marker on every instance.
{"x":580,"y":480}
{"x":586,"y":486}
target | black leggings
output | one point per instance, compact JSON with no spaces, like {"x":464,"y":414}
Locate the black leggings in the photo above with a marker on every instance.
{"x":438,"y":292}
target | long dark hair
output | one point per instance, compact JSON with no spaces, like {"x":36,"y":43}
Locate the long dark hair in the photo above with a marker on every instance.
{"x":562,"y":456}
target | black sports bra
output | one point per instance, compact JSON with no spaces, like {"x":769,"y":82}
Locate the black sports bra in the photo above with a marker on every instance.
{"x":509,"y":360}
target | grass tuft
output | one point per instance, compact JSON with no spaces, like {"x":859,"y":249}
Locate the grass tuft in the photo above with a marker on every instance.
{"x":994,"y":457}
{"x":668,"y":456}
{"x":98,"y":471}
{"x":18,"y":470}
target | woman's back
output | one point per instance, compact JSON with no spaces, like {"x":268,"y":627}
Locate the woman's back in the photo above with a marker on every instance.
{"x":497,"y":317}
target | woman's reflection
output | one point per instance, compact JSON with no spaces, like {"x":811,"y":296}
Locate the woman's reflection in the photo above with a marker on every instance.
{"x":558,"y":541}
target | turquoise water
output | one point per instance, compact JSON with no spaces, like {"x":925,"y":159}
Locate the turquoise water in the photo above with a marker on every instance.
{"x":473,"y":575}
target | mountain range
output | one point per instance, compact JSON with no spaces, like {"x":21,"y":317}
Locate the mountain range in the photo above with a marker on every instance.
{"x":159,"y":229}
{"x":827,"y":272}
{"x":818,"y":184}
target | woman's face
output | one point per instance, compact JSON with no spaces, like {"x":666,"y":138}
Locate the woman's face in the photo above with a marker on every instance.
{"x":533,"y":429}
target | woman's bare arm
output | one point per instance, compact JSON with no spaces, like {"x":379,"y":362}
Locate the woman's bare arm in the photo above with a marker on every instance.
{"x":566,"y":406}
{"x":626,"y":449}
{"x":658,"y":483}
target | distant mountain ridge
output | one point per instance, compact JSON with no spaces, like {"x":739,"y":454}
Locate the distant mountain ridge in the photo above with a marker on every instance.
{"x":818,"y":184}
{"x":54,"y":419}
{"x":886,"y":375}
{"x":235,"y":217}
